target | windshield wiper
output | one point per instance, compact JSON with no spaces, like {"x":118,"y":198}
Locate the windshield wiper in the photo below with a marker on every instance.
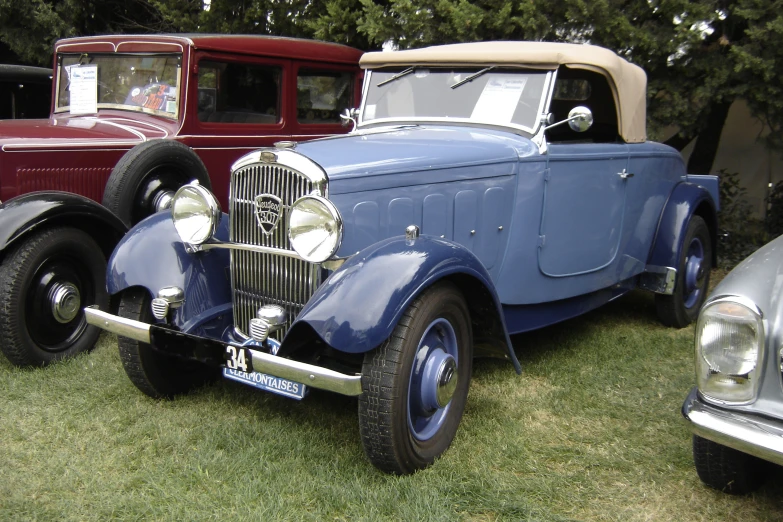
{"x":396,"y":76}
{"x":472,"y":77}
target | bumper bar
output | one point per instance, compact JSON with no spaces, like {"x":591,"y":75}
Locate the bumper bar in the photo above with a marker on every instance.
{"x":311,"y":375}
{"x":752,"y":434}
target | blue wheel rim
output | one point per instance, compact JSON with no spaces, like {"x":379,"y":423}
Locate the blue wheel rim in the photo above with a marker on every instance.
{"x":437,"y":345}
{"x":694,"y":273}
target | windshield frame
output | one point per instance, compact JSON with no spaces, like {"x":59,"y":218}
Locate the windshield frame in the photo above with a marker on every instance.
{"x":65,"y":109}
{"x":415,"y":120}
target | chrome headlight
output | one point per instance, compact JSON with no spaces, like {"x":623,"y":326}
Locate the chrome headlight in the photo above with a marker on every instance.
{"x":196,"y":214}
{"x":729,"y":349}
{"x":315,"y":228}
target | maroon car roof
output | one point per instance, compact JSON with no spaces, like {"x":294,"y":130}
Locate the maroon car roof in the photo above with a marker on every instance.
{"x":277,"y":46}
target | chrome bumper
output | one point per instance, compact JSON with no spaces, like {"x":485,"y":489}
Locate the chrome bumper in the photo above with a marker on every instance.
{"x":313,"y":376}
{"x":751,"y":434}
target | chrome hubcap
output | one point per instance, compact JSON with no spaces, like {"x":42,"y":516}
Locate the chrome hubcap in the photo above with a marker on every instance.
{"x":163,"y":199}
{"x":66,"y":302}
{"x":447,"y":381}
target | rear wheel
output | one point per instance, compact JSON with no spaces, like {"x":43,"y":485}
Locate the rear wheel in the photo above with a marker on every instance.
{"x":727,"y":469}
{"x":415,"y":385}
{"x":693,"y":278}
{"x":154,"y":373}
{"x":45,"y":283}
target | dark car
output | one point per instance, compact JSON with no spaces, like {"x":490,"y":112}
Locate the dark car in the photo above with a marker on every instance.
{"x":133,"y":119}
{"x":488,"y":189}
{"x":25,"y":92}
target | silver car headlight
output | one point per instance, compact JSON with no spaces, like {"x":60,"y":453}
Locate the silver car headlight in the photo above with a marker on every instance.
{"x":196,"y":214}
{"x":729,"y":349}
{"x":315,"y":228}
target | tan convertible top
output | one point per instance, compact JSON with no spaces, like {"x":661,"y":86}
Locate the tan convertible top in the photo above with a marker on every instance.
{"x":628,"y":81}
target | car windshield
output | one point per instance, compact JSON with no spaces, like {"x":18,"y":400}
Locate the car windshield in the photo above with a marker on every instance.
{"x":136,"y":82}
{"x":484,"y":95}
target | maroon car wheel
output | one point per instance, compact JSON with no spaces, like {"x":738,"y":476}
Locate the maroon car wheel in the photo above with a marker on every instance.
{"x":146,"y":178}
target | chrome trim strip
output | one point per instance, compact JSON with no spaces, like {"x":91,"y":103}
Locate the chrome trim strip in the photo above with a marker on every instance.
{"x":749,"y":434}
{"x":129,"y":328}
{"x":252,"y":248}
{"x":658,"y":279}
{"x":731,"y":298}
{"x":311,"y":375}
{"x":287,"y":159}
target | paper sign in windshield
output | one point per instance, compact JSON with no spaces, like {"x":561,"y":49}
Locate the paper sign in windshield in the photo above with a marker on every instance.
{"x":84,"y":89}
{"x":498,"y":100}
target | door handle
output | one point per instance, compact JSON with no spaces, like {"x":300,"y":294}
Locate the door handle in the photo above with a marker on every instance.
{"x":625,"y":175}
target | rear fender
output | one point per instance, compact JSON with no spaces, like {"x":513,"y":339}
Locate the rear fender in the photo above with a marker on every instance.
{"x":358,"y":306}
{"x":153,"y":256}
{"x":686,"y":200}
{"x":23,"y":215}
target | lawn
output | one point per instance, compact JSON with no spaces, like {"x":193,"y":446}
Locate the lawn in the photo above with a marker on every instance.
{"x":591,"y":430}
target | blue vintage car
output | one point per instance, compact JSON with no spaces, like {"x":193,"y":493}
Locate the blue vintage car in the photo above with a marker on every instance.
{"x":487,"y":189}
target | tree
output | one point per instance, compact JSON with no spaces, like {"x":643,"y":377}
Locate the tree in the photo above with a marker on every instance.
{"x":700,"y":56}
{"x":31,"y":27}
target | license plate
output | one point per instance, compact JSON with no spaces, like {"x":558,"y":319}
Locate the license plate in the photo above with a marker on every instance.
{"x":239,"y":367}
{"x":270,"y":383}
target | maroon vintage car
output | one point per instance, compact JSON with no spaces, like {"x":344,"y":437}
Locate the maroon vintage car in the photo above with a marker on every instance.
{"x":133,"y":118}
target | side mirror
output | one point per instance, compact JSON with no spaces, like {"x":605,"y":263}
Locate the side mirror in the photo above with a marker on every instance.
{"x":579,"y":119}
{"x":349,"y":116}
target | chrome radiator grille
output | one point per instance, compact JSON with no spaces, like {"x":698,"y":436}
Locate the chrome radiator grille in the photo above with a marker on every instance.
{"x":259,"y":279}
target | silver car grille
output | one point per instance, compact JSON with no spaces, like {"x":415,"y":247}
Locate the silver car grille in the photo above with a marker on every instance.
{"x":259,"y":279}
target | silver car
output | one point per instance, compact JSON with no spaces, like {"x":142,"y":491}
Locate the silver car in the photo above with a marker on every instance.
{"x":736,"y":409}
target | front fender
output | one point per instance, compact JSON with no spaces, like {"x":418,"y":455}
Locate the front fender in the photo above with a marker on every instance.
{"x":152,"y":256}
{"x":685,"y":200}
{"x":358,"y":306}
{"x":28,"y":212}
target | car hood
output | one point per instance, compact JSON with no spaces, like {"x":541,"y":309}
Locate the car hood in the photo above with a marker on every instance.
{"x":759,"y":278}
{"x":413,"y":155}
{"x":89,"y":131}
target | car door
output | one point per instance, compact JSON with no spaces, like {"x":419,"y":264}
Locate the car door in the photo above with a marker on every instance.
{"x":583,"y":208}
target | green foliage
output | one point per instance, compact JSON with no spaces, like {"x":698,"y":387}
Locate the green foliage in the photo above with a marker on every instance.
{"x":773,"y":224}
{"x":739,"y":233}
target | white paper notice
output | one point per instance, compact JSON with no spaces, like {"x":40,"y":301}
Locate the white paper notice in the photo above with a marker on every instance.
{"x":84,"y":89}
{"x":499,"y":99}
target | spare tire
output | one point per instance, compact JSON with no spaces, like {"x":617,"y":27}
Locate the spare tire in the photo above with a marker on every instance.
{"x":145,"y":179}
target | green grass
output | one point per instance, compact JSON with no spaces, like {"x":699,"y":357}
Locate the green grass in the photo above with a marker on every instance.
{"x":590,"y":431}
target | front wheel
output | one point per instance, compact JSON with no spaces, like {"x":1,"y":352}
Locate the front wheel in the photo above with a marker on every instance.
{"x":46,"y":280}
{"x":693,"y":278}
{"x":415,"y":385}
{"x":727,"y":469}
{"x":156,"y":374}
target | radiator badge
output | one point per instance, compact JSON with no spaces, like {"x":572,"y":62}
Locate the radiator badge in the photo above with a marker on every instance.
{"x":267,"y":212}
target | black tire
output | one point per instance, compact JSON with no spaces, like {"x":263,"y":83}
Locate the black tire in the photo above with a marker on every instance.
{"x":148,"y":171}
{"x":45,"y":282}
{"x":398,"y":436}
{"x":727,"y":469}
{"x":693,"y":278}
{"x":154,"y":373}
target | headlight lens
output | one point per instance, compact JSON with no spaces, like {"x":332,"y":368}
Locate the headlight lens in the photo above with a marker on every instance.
{"x":315,"y":228}
{"x":729,"y":350}
{"x":196,"y":214}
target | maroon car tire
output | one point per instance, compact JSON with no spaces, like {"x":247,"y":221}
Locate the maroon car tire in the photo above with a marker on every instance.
{"x":146,"y":178}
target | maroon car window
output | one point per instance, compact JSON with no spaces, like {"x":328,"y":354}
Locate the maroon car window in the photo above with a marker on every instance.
{"x":322,"y":95}
{"x":143,"y":83}
{"x":238,"y":93}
